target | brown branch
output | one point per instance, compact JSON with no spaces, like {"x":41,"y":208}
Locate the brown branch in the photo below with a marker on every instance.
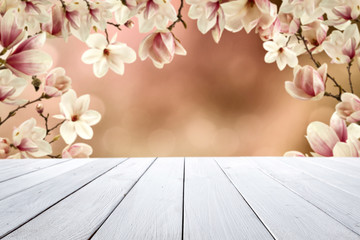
{"x":179,"y":17}
{"x":349,"y":73}
{"x":337,"y":97}
{"x":117,"y":25}
{"x":13,"y":112}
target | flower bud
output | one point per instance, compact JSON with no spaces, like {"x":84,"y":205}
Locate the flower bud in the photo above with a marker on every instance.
{"x":129,"y":24}
{"x":40,"y":108}
{"x":4,"y":147}
{"x":349,"y":108}
{"x":57,"y":83}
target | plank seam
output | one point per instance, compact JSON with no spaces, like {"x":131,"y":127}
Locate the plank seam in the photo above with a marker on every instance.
{"x":232,"y":183}
{"x":125,"y":195}
{"x":34,"y":171}
{"x":293,"y":191}
{"x":320,"y":179}
{"x":183,"y":204}
{"x":41,"y":212}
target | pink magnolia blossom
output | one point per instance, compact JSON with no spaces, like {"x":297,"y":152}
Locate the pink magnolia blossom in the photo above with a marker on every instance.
{"x":308,"y":83}
{"x":11,"y":87}
{"x":122,"y":12}
{"x":288,"y":23}
{"x":10,"y":33}
{"x":305,"y":10}
{"x":4,"y":147}
{"x":248,"y":14}
{"x":315,"y":34}
{"x":160,"y":47}
{"x":56,"y":82}
{"x":293,"y":154}
{"x":341,"y":12}
{"x":106,"y":55}
{"x":56,"y":26}
{"x":280,"y":51}
{"x":270,"y":32}
{"x":323,"y":138}
{"x":349,"y":108}
{"x":155,"y":13}
{"x":29,"y":139}
{"x":27,"y":59}
{"x":342,"y":47}
{"x":77,"y":150}
{"x":78,"y":119}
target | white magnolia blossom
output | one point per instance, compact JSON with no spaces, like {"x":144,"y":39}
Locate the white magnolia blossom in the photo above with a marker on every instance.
{"x":11,"y":87}
{"x":305,"y":10}
{"x":104,"y":55}
{"x":341,"y":12}
{"x":56,"y":82}
{"x":78,"y":119}
{"x":77,"y":150}
{"x":29,"y":139}
{"x":155,"y":13}
{"x":279,"y":51}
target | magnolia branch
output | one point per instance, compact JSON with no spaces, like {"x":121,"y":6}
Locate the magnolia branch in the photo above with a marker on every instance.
{"x":317,"y":64}
{"x":115,"y":25}
{"x":46,"y":119}
{"x":349,"y":73}
{"x":179,"y":17}
{"x":13,"y":112}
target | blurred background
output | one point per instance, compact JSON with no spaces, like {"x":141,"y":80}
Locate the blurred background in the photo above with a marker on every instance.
{"x":219,"y":100}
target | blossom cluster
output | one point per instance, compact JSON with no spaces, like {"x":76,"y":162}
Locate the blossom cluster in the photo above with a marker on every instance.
{"x":296,"y":27}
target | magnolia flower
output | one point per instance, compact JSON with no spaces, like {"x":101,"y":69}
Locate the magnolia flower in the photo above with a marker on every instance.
{"x":4,"y":147}
{"x":270,"y":32}
{"x":78,"y":119}
{"x":27,"y":59}
{"x":342,"y":46}
{"x":288,"y":23}
{"x":11,"y":87}
{"x":323,"y":138}
{"x":315,"y":34}
{"x":293,"y":154}
{"x":77,"y":150}
{"x":279,"y":51}
{"x":308,"y":83}
{"x":248,"y":14}
{"x":340,"y":12}
{"x":56,"y":82}
{"x":56,"y":25}
{"x":160,"y":47}
{"x":155,"y":13}
{"x":10,"y":33}
{"x":124,"y":12}
{"x":305,"y":10}
{"x":349,"y":108}
{"x":209,"y":15}
{"x":104,"y":55}
{"x":29,"y":139}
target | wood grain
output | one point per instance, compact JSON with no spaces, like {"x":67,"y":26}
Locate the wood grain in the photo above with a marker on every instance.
{"x":26,"y":181}
{"x":81,"y":214}
{"x":287,"y":215}
{"x":338,"y":204}
{"x":213,"y":207}
{"x":16,"y":167}
{"x":152,"y":209}
{"x":23,"y":206}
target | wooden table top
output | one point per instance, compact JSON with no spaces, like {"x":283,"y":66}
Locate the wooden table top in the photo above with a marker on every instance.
{"x":180,"y":198}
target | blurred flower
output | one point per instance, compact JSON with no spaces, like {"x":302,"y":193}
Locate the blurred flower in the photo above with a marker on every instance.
{"x":293,"y":154}
{"x":305,"y":10}
{"x":29,"y":139}
{"x":27,"y":59}
{"x":56,"y":82}
{"x":160,"y":47}
{"x":78,"y":119}
{"x":315,"y":34}
{"x":308,"y":83}
{"x":56,"y":26}
{"x":104,"y":55}
{"x":77,"y":150}
{"x":279,"y":51}
{"x":248,"y":14}
{"x":10,"y":33}
{"x":349,"y":108}
{"x":4,"y":147}
{"x":11,"y":87}
{"x":288,"y":23}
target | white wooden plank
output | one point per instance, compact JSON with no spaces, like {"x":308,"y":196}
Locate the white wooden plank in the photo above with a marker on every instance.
{"x":23,"y":182}
{"x":286,"y":215}
{"x":153,"y":208}
{"x":340,"y":205}
{"x":23,"y":206}
{"x":214,"y":209}
{"x":19,"y":167}
{"x":81,"y":214}
{"x":350,"y":184}
{"x":334,"y":164}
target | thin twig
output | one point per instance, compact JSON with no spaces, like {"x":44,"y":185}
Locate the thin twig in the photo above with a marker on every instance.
{"x":349,"y":73}
{"x":179,"y":17}
{"x":117,"y":25}
{"x":107,"y":36}
{"x":13,"y":112}
{"x":337,"y":97}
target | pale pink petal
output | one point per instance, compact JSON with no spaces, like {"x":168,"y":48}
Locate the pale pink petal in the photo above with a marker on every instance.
{"x":34,"y":42}
{"x":100,"y":68}
{"x":67,"y":131}
{"x":97,"y":40}
{"x":83,"y":130}
{"x":339,"y":126}
{"x":294,"y":154}
{"x":92,"y":56}
{"x":91,"y":117}
{"x":82,"y":104}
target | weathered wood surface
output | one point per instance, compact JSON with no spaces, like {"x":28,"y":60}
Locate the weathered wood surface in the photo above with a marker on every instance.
{"x":180,"y":198}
